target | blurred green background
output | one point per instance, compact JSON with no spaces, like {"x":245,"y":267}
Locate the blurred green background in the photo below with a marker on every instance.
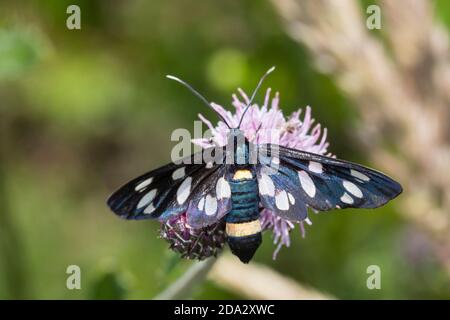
{"x":82,"y":111}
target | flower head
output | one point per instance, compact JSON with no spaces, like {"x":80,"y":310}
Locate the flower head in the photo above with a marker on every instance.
{"x":193,"y":243}
{"x":267,"y":124}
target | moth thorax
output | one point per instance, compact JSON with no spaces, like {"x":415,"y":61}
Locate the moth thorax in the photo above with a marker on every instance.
{"x":244,"y":238}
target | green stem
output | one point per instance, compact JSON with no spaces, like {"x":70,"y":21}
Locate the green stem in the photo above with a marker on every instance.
{"x":183,"y":287}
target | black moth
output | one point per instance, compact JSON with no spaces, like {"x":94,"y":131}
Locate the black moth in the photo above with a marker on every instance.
{"x":234,"y":186}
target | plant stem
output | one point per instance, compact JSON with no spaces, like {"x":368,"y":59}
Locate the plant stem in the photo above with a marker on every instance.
{"x":183,"y":287}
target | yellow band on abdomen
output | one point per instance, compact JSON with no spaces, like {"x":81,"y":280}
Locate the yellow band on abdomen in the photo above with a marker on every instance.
{"x":243,"y":174}
{"x":243,"y":229}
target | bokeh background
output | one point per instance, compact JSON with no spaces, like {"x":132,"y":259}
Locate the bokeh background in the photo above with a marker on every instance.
{"x":82,"y":111}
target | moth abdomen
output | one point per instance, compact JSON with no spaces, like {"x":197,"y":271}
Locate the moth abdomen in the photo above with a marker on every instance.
{"x":244,"y":238}
{"x":243,"y":228}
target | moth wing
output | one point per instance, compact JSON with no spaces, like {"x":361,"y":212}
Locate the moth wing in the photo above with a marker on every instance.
{"x":211,"y":199}
{"x":279,"y":191}
{"x":326,"y":183}
{"x":167,"y":191}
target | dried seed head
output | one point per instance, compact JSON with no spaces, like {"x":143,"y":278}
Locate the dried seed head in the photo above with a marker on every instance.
{"x":193,"y":243}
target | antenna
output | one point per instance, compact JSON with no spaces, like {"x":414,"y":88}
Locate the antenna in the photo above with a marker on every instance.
{"x":254,"y":93}
{"x":198,"y":95}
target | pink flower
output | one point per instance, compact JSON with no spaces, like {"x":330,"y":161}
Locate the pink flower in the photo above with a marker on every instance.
{"x":267,"y":124}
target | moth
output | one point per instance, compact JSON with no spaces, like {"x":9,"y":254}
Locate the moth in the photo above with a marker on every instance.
{"x":232,"y":183}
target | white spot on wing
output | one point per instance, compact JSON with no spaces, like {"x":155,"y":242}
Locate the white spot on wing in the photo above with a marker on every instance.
{"x":275,"y":161}
{"x":201,"y":204}
{"x":143,"y":184}
{"x":178,"y":174}
{"x":184,"y":190}
{"x":150,"y":208}
{"x":352,"y":188}
{"x":281,"y":200}
{"x":266,"y":186}
{"x":210,"y":205}
{"x":291,"y":198}
{"x":307,"y":183}
{"x":223,"y":189}
{"x":145,"y":200}
{"x":315,"y":167}
{"x":359,"y":175}
{"x":346,"y":198}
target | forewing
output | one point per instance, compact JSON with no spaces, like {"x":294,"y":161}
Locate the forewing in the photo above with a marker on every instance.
{"x":166,"y":191}
{"x":325,"y":183}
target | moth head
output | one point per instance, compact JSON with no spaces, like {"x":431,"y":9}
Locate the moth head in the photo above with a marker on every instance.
{"x":236,"y":138}
{"x":241,"y":150}
{"x":236,"y":133}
